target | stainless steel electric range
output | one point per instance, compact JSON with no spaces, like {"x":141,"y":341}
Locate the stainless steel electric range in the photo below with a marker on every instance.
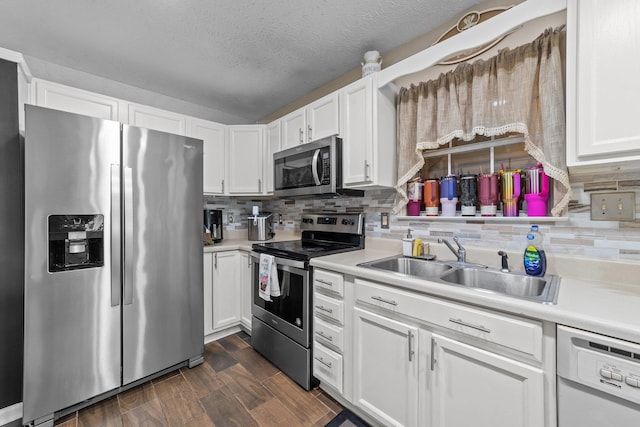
{"x":282,"y":328}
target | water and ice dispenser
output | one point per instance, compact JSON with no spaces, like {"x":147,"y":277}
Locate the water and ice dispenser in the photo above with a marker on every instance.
{"x":75,"y":241}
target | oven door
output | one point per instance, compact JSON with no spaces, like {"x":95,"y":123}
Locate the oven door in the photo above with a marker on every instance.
{"x":288,"y":313}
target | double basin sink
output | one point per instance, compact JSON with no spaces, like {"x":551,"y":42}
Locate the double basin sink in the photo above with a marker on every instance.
{"x":539,"y":289}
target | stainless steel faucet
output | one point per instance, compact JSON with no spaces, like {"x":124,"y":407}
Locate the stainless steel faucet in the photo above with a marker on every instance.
{"x":504,"y":261}
{"x":461,"y":253}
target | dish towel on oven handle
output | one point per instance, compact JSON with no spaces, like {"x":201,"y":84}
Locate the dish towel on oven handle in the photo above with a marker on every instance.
{"x":268,"y":277}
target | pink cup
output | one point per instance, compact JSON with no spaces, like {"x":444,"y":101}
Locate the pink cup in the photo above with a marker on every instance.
{"x":413,"y":208}
{"x":488,"y":194}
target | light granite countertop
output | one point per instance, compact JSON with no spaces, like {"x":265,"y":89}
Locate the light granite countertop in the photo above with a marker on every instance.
{"x":237,"y":240}
{"x":594,"y":295}
{"x":598,"y":296}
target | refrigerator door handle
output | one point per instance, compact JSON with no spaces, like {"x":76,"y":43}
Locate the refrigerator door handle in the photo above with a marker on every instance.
{"x":128,"y":236}
{"x":116,"y":248}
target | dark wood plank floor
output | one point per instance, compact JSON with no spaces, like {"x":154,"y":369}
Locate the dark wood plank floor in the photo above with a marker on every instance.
{"x":235,"y":386}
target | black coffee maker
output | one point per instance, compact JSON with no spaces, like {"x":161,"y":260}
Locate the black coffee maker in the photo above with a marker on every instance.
{"x":213,"y":223}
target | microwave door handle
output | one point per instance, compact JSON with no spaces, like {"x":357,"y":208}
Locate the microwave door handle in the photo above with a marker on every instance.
{"x":314,"y":166}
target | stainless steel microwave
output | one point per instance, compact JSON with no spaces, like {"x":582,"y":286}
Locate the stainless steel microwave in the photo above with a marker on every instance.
{"x":310,"y":170}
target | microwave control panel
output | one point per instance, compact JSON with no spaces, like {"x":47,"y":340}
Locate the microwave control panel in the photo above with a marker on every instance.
{"x":325,"y":175}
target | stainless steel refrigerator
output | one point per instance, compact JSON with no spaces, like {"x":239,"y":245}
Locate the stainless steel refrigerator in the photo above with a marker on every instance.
{"x":113,"y":259}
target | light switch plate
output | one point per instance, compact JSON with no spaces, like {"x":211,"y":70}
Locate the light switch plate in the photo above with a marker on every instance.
{"x":615,"y":206}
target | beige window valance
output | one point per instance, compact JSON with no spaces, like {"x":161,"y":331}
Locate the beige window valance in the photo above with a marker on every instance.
{"x":519,"y":90}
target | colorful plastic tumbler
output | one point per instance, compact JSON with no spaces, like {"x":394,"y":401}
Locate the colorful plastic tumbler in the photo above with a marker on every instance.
{"x":431,"y":197}
{"x":488,"y":193}
{"x":536,"y":191}
{"x":468,"y":194}
{"x":510,"y":189}
{"x":449,"y":195}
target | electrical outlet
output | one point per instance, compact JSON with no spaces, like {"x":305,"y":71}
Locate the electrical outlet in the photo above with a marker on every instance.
{"x":384,"y":220}
{"x":614,"y":206}
{"x":230,"y":218}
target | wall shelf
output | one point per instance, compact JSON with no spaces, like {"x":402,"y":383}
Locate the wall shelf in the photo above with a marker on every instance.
{"x":522,"y":219}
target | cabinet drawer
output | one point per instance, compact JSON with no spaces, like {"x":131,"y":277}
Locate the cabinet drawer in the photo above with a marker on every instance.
{"x":327,"y":366}
{"x":328,"y":334}
{"x":327,"y":307}
{"x":329,"y":280}
{"x":523,"y":335}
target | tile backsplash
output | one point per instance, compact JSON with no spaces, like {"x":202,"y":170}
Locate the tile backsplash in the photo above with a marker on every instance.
{"x":579,"y":235}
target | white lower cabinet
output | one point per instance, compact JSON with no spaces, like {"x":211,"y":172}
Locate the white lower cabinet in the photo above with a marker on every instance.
{"x":474,"y":387}
{"x":208,"y":293}
{"x":385,"y":376}
{"x":410,"y":359}
{"x":222,"y":290}
{"x":328,"y":329}
{"x":245,"y":290}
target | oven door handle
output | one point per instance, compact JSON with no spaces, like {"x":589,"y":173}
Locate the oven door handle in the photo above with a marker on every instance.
{"x":282,"y":263}
{"x":314,"y":166}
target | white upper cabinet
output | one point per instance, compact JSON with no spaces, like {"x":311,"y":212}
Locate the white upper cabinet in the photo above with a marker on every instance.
{"x":315,"y":121}
{"x":215,"y":154}
{"x":246,"y":159}
{"x":272,"y":145}
{"x":323,"y":117}
{"x":293,"y":125}
{"x":368,"y":131}
{"x":72,"y":100}
{"x":603,"y":41}
{"x":153,"y":118}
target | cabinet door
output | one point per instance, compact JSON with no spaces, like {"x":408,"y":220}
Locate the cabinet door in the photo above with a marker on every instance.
{"x":356,"y":102}
{"x":603,"y":38}
{"x":245,"y":292}
{"x":293,"y":129}
{"x":226,"y":290}
{"x":208,"y":293}
{"x":214,"y":157}
{"x":153,"y":118}
{"x":245,"y":159}
{"x":385,"y":368}
{"x":272,"y":146}
{"x":72,"y":100}
{"x":323,"y":117}
{"x":476,"y":387}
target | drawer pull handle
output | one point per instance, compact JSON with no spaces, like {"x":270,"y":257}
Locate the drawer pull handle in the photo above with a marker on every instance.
{"x":326,"y":310}
{"x":323,"y":335}
{"x":387,"y":301}
{"x":470,"y":325}
{"x":324,"y":282}
{"x":321,"y":360}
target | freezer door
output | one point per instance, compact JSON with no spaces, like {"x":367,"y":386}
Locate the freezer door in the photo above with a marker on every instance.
{"x":72,"y":326}
{"x":163,"y":289}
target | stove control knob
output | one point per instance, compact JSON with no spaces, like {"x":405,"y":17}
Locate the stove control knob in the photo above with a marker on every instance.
{"x":307,"y":220}
{"x":347,"y":222}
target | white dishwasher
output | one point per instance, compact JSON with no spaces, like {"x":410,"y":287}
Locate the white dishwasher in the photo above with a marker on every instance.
{"x":598,"y":380}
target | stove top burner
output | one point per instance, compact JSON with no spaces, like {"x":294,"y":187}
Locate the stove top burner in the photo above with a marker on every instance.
{"x":322,"y":234}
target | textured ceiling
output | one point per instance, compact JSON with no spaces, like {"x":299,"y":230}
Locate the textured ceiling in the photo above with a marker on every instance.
{"x":246,"y":58}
